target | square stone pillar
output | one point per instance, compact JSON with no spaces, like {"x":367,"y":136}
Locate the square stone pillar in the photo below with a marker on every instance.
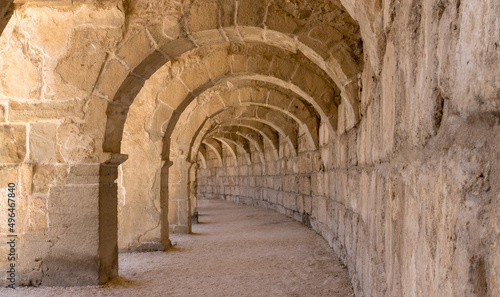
{"x":164,"y":228}
{"x":108,"y":218}
{"x":83,"y":226}
{"x":179,"y":213}
{"x":193,"y":192}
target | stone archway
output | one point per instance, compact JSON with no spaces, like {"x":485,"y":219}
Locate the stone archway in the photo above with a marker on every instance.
{"x":185,"y":87}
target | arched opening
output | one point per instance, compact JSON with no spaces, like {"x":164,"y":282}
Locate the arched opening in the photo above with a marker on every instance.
{"x":190,"y":71}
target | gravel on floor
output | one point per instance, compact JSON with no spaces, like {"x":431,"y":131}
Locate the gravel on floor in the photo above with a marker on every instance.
{"x":235,"y":250}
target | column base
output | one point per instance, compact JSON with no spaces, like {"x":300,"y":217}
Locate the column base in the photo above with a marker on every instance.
{"x":194,"y":218}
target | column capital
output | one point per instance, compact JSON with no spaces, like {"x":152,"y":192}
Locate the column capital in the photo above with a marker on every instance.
{"x":113,"y":159}
{"x":166,"y":163}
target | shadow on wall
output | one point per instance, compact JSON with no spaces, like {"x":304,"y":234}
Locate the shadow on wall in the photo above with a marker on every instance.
{"x":6,"y":11}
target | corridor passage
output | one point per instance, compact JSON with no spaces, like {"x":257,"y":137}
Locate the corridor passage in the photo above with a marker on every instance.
{"x":236,"y":250}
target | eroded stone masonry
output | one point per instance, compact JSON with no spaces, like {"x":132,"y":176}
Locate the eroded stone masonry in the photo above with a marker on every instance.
{"x":376,"y":123}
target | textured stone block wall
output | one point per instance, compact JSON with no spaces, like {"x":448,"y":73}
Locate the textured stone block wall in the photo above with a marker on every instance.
{"x":408,"y":198}
{"x":401,"y":227}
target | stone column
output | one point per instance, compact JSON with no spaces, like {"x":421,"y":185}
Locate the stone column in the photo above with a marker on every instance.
{"x":179,"y":204}
{"x":83,"y":228}
{"x":193,"y":192}
{"x":164,"y":228}
{"x":108,"y":218}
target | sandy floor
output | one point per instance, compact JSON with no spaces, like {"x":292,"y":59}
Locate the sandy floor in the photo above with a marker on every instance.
{"x":236,"y":250}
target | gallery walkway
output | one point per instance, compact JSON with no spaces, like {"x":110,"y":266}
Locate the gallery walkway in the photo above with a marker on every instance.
{"x":236,"y":250}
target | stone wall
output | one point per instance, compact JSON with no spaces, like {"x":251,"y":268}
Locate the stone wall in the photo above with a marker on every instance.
{"x":407,"y":198}
{"x":417,"y":225}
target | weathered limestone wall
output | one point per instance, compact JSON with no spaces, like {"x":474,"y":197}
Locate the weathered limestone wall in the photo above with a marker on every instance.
{"x":401,"y":227}
{"x":407,"y":198}
{"x":50,"y":58}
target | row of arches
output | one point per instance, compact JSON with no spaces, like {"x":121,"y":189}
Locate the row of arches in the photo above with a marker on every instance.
{"x":186,"y":78}
{"x":234,"y":87}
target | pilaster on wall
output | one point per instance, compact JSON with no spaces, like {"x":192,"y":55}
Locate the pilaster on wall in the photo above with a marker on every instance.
{"x":108,"y":218}
{"x":84,"y":229}
{"x":74,"y":259}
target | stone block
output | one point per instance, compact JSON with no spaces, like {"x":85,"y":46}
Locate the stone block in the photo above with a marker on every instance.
{"x":195,"y":76}
{"x":70,"y":269}
{"x":156,"y":124}
{"x":46,"y":176}
{"x":203,"y":16}
{"x":25,"y":182}
{"x":279,"y":20}
{"x":294,"y":183}
{"x":74,"y":145}
{"x":238,"y":63}
{"x":166,"y":29}
{"x":174,"y":93}
{"x":174,"y":191}
{"x":84,"y":59}
{"x":307,"y":200}
{"x":243,"y":170}
{"x":13,"y":143}
{"x":326,"y":33}
{"x":289,"y":201}
{"x":37,"y":217}
{"x":283,"y":68}
{"x":310,"y":82}
{"x":95,"y":116}
{"x":172,"y":213}
{"x":251,"y":13}
{"x":319,"y":48}
{"x":227,"y":13}
{"x":85,"y":174}
{"x":74,"y":231}
{"x":388,"y":100}
{"x":79,"y":212}
{"x":305,"y":163}
{"x":351,"y":149}
{"x":300,"y":203}
{"x":184,"y":212}
{"x":8,"y":174}
{"x":326,"y":184}
{"x":150,"y":64}
{"x":17,"y":67}
{"x":136,"y":48}
{"x":353,"y":189}
{"x":28,"y":112}
{"x":177,"y":47}
{"x":42,"y":142}
{"x":259,"y":64}
{"x":322,"y":209}
{"x":217,"y":63}
{"x":317,"y":184}
{"x":277,"y":183}
{"x":180,"y":229}
{"x":305,"y":185}
{"x":3,"y":112}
